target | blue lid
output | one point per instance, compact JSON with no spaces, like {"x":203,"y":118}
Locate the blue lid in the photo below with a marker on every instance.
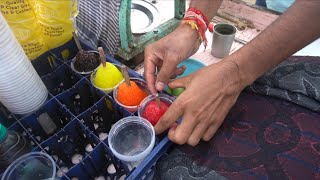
{"x":192,"y":65}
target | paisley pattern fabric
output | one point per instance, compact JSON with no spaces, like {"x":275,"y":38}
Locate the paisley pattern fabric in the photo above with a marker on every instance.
{"x":263,"y":137}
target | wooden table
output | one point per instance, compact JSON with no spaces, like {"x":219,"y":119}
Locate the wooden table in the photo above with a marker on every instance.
{"x":253,"y":20}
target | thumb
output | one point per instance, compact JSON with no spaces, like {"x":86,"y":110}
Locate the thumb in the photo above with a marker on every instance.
{"x":179,"y":82}
{"x":164,"y":75}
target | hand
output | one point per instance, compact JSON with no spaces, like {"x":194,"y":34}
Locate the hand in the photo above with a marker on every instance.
{"x":165,"y":54}
{"x":209,"y":95}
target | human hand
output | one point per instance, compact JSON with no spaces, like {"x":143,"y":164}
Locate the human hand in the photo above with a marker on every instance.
{"x":165,"y":54}
{"x":209,"y":94}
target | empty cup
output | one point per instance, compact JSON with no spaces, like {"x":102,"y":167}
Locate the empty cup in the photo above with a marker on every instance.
{"x":31,"y":166}
{"x":131,"y":139}
{"x":223,"y":36}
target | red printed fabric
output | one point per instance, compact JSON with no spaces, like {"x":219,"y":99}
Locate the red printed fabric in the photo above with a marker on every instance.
{"x":262,"y":138}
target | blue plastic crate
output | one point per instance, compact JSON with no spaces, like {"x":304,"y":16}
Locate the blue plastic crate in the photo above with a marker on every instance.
{"x":59,"y":115}
{"x":62,"y":79}
{"x":77,"y":108}
{"x":80,"y":97}
{"x":99,"y":163}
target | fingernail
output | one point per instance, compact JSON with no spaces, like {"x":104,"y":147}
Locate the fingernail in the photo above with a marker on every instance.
{"x":160,"y":86}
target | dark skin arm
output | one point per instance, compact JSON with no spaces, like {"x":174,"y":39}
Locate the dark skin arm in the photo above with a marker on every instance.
{"x":169,"y":51}
{"x":213,"y":90}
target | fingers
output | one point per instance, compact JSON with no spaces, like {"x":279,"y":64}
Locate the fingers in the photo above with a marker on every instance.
{"x":181,"y":134}
{"x":165,"y":73}
{"x":179,"y":82}
{"x":198,"y":133}
{"x":178,"y":71}
{"x":218,"y":120}
{"x":149,"y":72}
{"x":169,"y":117}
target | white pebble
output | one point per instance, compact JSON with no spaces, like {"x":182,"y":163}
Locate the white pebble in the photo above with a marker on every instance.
{"x":55,"y":157}
{"x":123,"y":177}
{"x":74,"y":178}
{"x":38,"y":138}
{"x":89,"y":148}
{"x":62,"y":171}
{"x":111,"y":169}
{"x":77,"y":96}
{"x":99,"y":178}
{"x":95,"y":125}
{"x":103,"y":136}
{"x":76,"y":158}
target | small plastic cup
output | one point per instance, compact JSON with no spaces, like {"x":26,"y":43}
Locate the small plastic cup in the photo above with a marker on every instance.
{"x":131,"y":139}
{"x":34,"y":165}
{"x":142,"y":84}
{"x":106,"y":90}
{"x":163,"y":97}
{"x":85,"y":72}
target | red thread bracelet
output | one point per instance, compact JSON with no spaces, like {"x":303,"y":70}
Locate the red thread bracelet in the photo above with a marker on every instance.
{"x":195,"y":17}
{"x":197,"y":11}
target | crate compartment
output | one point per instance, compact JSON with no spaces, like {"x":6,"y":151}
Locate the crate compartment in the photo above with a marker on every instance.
{"x":101,"y":117}
{"x":60,"y":80}
{"x":59,"y":117}
{"x":80,"y":97}
{"x":46,"y":63}
{"x":72,"y":144}
{"x":19,"y":129}
{"x":100,"y":163}
{"x":6,"y":118}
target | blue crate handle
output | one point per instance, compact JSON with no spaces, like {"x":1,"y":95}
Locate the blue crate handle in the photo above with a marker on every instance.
{"x":156,"y":153}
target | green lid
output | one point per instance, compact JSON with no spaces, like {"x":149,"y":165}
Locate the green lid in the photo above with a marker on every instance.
{"x":3,"y":132}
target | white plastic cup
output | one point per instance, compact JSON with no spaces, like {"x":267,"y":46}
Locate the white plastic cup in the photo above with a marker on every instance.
{"x":34,"y":165}
{"x":142,"y":84}
{"x":21,"y":90}
{"x":131,"y":139}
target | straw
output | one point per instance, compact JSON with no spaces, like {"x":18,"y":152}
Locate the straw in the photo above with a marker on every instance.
{"x":124,"y":71}
{"x":102,"y":56}
{"x":76,"y":39}
{"x":158,"y":100}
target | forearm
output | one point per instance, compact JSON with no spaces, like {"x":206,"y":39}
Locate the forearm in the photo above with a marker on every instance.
{"x":289,"y":33}
{"x":208,"y":7}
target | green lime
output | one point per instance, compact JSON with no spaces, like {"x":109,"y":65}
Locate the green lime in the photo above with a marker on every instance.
{"x":177,"y":91}
{"x":168,"y":90}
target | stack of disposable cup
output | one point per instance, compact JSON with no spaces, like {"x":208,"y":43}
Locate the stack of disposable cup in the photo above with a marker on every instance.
{"x":21,"y":89}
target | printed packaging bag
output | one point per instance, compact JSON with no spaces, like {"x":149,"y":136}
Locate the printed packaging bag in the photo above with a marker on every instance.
{"x":40,"y":25}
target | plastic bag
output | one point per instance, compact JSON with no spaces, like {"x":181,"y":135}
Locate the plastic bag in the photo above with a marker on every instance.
{"x":40,"y":25}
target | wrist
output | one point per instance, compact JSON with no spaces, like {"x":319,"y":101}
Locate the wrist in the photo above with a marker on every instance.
{"x":244,"y":77}
{"x":190,"y":34}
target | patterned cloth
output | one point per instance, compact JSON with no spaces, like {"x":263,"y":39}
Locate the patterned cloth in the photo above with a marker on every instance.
{"x":98,"y":23}
{"x":296,"y":80}
{"x":262,"y":137}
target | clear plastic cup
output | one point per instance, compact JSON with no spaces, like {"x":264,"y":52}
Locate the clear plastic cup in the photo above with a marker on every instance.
{"x":131,"y":139}
{"x":142,"y":84}
{"x":31,"y":166}
{"x":106,"y":90}
{"x":83,"y":73}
